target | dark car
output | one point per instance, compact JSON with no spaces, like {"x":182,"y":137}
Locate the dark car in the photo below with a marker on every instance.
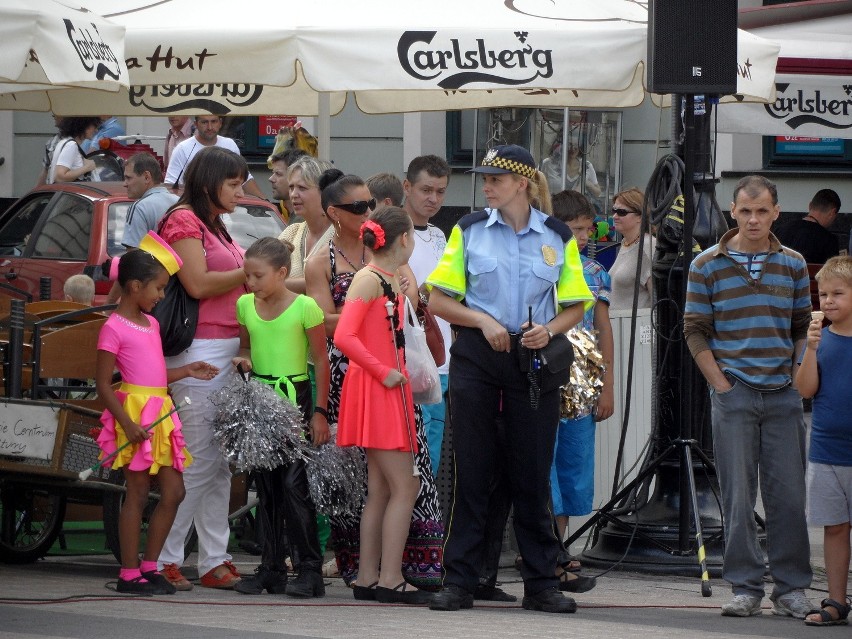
{"x":60,"y":230}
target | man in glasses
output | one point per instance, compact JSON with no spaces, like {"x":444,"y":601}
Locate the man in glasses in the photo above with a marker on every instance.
{"x":206,"y":134}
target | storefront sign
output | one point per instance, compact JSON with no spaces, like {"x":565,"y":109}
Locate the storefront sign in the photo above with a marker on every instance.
{"x":804,"y":106}
{"x":268,"y":126}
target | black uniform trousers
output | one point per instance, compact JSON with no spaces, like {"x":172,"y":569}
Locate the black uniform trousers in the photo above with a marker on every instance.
{"x":482,"y":384}
{"x":286,"y":510}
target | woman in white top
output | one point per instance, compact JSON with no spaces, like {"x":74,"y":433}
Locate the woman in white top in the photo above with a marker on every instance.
{"x":316,"y":230}
{"x":627,"y":216}
{"x":68,"y":163}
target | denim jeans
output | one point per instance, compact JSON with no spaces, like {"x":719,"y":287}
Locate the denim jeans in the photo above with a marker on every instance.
{"x":760,"y":436}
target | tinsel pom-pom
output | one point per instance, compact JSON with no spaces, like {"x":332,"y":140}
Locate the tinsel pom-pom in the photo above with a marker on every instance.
{"x":578,"y":397}
{"x":337,"y":478}
{"x":255,"y":428}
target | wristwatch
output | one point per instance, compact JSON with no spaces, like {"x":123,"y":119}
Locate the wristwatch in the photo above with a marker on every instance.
{"x":549,"y":334}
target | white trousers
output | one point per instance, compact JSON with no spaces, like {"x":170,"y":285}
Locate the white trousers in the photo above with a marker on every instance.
{"x":208,"y":478}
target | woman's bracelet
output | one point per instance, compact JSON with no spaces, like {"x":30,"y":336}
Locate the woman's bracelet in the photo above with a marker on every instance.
{"x":321,"y":410}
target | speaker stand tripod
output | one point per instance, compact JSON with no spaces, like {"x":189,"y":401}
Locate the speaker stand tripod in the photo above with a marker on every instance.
{"x":652,"y":522}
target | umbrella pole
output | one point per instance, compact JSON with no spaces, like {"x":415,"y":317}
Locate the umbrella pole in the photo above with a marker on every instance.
{"x":389,"y":308}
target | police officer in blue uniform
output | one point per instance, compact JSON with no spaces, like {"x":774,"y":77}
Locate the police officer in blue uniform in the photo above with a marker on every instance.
{"x":500,"y":265}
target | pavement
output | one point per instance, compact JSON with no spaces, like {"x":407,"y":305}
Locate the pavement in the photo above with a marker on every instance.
{"x":69,"y":597}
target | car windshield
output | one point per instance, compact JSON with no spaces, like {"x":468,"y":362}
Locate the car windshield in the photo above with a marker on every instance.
{"x":249,"y":223}
{"x":246,"y":224}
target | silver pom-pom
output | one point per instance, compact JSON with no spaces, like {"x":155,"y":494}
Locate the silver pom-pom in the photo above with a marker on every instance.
{"x":337,"y":477}
{"x":578,"y":397}
{"x":254,"y":427}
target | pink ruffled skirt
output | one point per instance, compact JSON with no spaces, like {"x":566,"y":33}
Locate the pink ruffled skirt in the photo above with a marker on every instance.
{"x":166,"y":446}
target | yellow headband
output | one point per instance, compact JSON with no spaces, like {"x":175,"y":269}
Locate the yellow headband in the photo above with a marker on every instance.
{"x":162,"y":252}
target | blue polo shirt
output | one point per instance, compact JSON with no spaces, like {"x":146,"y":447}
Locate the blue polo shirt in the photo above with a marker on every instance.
{"x":501,"y":272}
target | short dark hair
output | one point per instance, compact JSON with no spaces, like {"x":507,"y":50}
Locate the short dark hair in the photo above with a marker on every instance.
{"x":75,"y":127}
{"x":432,"y":164}
{"x":754,"y":184}
{"x":288,"y":157}
{"x":825,"y":200}
{"x":144,"y":161}
{"x":386,"y":186}
{"x":569,"y":205}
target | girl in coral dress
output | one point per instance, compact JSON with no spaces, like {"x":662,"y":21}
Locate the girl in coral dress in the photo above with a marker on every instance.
{"x":130,"y":342}
{"x":376,"y":410}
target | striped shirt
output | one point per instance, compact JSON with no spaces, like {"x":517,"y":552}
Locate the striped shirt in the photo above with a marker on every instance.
{"x":750,"y":325}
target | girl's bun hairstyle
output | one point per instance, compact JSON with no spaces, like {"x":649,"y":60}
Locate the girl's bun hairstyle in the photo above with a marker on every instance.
{"x":393,"y":220}
{"x":276,"y":252}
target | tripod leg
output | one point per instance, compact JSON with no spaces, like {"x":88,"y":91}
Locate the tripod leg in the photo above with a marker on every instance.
{"x":706,"y":589}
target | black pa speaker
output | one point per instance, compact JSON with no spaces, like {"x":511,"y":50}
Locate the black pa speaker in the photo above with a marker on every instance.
{"x":692,"y":46}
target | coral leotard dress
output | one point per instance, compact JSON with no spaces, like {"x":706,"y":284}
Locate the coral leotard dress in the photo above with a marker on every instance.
{"x":371,"y":415}
{"x":144,"y":395}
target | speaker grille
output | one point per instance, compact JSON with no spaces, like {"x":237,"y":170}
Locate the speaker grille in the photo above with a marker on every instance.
{"x":692,"y":46}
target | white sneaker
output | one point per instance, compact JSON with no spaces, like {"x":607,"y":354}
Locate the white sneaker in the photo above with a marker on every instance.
{"x":792,"y":604}
{"x":741,"y":606}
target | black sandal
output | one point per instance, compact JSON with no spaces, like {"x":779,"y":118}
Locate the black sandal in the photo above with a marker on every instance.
{"x":825,"y":618}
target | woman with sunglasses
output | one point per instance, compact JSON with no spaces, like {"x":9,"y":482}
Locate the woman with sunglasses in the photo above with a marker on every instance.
{"x":347,"y":202}
{"x":627,"y":216}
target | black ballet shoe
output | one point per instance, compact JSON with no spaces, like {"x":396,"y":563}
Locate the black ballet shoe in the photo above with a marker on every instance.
{"x":365,"y":593}
{"x":401,"y":594}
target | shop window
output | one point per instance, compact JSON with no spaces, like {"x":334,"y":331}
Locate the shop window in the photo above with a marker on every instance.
{"x":780,"y":151}
{"x":590,"y":164}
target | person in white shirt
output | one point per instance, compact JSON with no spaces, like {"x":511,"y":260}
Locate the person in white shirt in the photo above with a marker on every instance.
{"x":206,"y":134}
{"x":425,"y":187}
{"x":180,"y":128}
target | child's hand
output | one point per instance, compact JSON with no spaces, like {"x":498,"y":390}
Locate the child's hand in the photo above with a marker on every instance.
{"x":605,"y":406}
{"x":201,"y":370}
{"x":244,"y":361}
{"x":814,"y":333}
{"x":135,"y":433}
{"x":404,"y":283}
{"x":394,"y":379}
{"x":319,"y":430}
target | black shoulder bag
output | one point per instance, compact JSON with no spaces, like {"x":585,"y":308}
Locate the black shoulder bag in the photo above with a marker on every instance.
{"x":177,"y":312}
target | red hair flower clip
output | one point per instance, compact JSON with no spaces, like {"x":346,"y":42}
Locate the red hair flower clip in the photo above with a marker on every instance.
{"x":377,"y":230}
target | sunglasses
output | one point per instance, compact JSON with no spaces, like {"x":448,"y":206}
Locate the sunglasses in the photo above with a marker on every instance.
{"x":621,"y":212}
{"x":358,"y":207}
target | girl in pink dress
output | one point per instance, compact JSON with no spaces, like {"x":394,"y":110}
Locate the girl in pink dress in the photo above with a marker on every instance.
{"x":376,"y":407}
{"x":130,"y":342}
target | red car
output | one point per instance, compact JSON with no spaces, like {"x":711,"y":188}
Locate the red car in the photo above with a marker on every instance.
{"x":60,"y":230}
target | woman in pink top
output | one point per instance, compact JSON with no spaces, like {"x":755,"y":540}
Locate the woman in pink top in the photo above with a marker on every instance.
{"x":213,"y":273}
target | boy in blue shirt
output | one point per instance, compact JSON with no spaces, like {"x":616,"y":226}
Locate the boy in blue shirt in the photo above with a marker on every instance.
{"x":823,"y":375}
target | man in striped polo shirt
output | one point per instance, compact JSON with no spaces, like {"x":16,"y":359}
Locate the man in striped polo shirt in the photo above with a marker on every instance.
{"x":746,"y":318}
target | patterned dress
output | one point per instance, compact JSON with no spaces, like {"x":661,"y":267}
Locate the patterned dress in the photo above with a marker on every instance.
{"x":422,"y":558}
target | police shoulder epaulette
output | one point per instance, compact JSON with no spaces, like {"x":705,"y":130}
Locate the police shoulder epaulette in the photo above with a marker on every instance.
{"x":472,"y":218}
{"x":560,"y":227}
